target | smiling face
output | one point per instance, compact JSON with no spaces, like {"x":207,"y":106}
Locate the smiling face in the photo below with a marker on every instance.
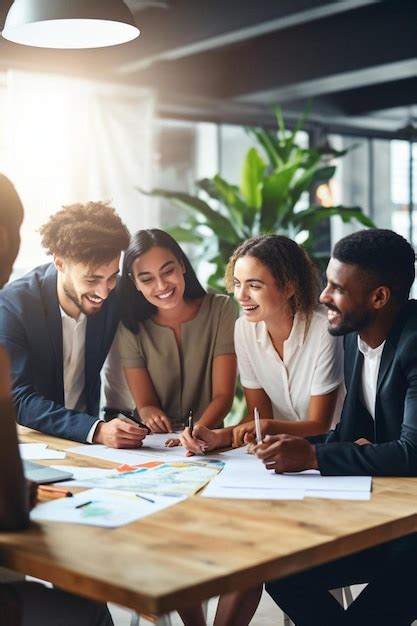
{"x":82,"y":288}
{"x":257,"y":292}
{"x":159,"y":275}
{"x":349,"y":297}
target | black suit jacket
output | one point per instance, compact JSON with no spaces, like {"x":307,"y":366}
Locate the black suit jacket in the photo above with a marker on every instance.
{"x":31,"y":331}
{"x":394,"y":430}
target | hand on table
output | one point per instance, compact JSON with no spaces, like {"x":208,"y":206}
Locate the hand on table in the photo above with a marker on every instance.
{"x":245,"y":433}
{"x":286,"y":453}
{"x":120,"y":433}
{"x":171,"y":443}
{"x":156,"y":420}
{"x":362,"y":441}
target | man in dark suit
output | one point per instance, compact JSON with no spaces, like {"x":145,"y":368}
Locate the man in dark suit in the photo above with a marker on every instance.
{"x":21,"y":602}
{"x":58,"y":322}
{"x":369,"y":278}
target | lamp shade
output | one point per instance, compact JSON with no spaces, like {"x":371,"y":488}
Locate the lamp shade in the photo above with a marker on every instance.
{"x":69,"y":23}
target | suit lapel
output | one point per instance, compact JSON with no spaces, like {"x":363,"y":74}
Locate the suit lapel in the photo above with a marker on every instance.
{"x":53,"y":322}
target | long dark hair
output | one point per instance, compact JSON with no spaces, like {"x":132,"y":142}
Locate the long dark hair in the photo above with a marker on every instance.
{"x":288,"y":263}
{"x":134,"y":306}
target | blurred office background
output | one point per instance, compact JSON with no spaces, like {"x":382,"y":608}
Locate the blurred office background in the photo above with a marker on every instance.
{"x":172,"y":106}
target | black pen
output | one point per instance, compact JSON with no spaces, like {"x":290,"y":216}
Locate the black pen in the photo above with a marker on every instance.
{"x":138,"y":495}
{"x":80,"y":506}
{"x":190,"y":423}
{"x":126,"y":414}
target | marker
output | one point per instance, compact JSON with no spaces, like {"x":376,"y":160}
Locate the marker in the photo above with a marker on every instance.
{"x":144,"y":498}
{"x":55,"y":491}
{"x":80,"y":506}
{"x":190,"y":423}
{"x":257,"y":425}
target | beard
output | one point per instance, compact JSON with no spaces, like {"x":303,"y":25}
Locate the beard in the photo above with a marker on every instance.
{"x":71,"y":295}
{"x":349,"y":322}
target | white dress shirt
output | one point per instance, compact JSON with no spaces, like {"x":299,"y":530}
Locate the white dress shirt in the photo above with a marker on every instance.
{"x":115,"y":390}
{"x":73,"y":356}
{"x":370,"y":371}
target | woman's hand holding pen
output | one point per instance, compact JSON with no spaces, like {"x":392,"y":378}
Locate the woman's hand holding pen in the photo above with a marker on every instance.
{"x":203,"y":439}
{"x":246,"y":433}
{"x":156,"y":419}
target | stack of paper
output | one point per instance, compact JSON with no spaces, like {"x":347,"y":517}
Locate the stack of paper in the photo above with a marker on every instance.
{"x":250,"y":480}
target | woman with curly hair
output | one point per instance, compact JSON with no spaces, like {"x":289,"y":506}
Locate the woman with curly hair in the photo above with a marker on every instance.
{"x":290,"y":367}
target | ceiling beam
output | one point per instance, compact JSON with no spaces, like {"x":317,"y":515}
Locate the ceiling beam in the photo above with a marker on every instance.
{"x":370,"y":44}
{"x":194,"y":26}
{"x":398,"y":93}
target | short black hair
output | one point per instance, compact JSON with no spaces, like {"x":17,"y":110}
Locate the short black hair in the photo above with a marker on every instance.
{"x":384,"y":255}
{"x":11,"y":209}
{"x":134,"y":306}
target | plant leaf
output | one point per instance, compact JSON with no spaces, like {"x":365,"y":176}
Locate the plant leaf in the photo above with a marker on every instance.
{"x":307,"y":219}
{"x":214,"y":220}
{"x":251,"y":179}
{"x":269,"y":143}
{"x":275,"y":195}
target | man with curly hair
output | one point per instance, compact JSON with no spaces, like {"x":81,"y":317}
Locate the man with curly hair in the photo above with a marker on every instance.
{"x":58,"y":323}
{"x":22,"y":602}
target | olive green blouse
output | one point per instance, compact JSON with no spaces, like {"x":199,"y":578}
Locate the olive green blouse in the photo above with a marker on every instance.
{"x":182,"y":377}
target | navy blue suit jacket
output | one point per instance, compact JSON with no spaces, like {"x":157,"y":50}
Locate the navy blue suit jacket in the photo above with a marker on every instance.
{"x":31,"y":331}
{"x":393,"y":433}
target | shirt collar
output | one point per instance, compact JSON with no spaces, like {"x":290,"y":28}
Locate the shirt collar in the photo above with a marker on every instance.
{"x":64,"y":315}
{"x":296,"y":336}
{"x":367,"y":351}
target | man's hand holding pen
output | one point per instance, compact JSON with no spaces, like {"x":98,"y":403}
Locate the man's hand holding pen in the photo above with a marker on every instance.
{"x":286,"y":453}
{"x":120,"y":432}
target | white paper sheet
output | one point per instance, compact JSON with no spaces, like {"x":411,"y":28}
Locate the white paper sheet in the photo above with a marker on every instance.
{"x":339,"y":495}
{"x":247,"y":478}
{"x":38,"y":451}
{"x":153,"y":449}
{"x":107,"y":508}
{"x":245,"y":493}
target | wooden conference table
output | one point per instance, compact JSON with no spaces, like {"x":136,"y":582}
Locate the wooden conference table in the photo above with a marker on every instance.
{"x":201,"y":547}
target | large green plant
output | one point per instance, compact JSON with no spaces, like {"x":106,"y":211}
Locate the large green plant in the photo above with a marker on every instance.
{"x":273,"y":177}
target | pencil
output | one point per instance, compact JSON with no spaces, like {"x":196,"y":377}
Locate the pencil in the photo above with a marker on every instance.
{"x":55,"y":490}
{"x":257,"y":425}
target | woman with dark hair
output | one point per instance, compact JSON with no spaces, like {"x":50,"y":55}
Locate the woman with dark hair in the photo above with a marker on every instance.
{"x":175,"y":340}
{"x":290,"y":367}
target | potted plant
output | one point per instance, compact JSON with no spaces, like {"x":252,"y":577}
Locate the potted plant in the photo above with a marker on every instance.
{"x":274,"y":175}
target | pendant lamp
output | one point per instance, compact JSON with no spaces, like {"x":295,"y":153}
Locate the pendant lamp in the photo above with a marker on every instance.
{"x":69,"y":23}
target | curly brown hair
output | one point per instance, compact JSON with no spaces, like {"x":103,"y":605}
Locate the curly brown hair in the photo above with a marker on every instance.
{"x":288,"y":263}
{"x":90,"y":233}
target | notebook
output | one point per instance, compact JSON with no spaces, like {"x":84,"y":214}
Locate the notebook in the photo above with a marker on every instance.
{"x":42,"y":475}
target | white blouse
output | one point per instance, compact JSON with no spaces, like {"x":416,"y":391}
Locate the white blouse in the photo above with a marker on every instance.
{"x":312,"y":364}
